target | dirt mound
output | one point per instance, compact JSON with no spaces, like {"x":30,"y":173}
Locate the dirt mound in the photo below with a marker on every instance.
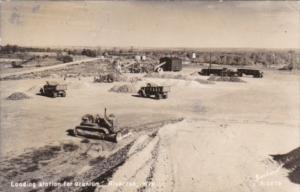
{"x":286,"y":68}
{"x":203,"y":81}
{"x":167,"y":76}
{"x":125,"y":88}
{"x":290,"y":161}
{"x":34,"y":89}
{"x":18,"y":96}
{"x":228,"y":79}
{"x":133,"y":79}
{"x":177,"y":76}
{"x":115,"y":77}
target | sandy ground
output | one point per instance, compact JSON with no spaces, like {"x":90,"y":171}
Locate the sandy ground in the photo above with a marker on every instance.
{"x":224,"y":143}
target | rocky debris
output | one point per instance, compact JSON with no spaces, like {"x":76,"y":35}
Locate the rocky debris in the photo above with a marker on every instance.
{"x":108,"y":78}
{"x":286,"y":68}
{"x":136,"y":169}
{"x":85,"y":162}
{"x":115,"y":77}
{"x":18,"y":96}
{"x":290,"y":161}
{"x":134,"y":79}
{"x":125,"y":88}
{"x":101,"y":172}
{"x":139,"y":144}
{"x":167,"y":76}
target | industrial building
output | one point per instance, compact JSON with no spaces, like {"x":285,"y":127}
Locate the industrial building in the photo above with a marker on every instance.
{"x":171,"y":63}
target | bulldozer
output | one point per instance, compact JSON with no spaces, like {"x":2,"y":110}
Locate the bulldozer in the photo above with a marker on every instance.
{"x":104,"y":128}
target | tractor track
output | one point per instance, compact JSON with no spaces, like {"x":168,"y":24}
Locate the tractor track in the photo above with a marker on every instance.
{"x":61,"y":163}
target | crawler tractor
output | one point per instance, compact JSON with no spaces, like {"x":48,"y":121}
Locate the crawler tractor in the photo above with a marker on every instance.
{"x":97,"y":127}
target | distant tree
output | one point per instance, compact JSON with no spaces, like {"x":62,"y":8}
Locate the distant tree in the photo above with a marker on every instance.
{"x":89,"y":52}
{"x":65,"y":58}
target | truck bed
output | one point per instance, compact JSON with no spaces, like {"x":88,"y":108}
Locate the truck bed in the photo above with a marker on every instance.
{"x":158,"y":89}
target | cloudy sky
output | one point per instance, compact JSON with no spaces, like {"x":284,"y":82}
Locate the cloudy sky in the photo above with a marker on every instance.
{"x":231,"y":24}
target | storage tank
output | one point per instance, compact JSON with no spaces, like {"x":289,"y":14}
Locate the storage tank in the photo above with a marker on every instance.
{"x":193,"y":55}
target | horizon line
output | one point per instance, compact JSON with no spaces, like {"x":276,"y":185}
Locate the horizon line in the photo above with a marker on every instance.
{"x":150,"y":47}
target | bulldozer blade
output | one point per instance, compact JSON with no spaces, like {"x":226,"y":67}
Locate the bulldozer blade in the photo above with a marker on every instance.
{"x":89,"y":133}
{"x":93,"y":133}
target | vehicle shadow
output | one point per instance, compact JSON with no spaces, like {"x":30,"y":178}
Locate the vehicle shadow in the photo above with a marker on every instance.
{"x":71,"y":133}
{"x":136,"y":95}
{"x":39,"y":94}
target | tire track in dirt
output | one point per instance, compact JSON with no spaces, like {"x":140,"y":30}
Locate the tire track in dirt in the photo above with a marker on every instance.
{"x":131,"y":175}
{"x":150,"y":169}
{"x":162,"y":176}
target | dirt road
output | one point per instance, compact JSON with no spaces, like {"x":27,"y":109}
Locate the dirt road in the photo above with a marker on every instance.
{"x":47,"y":67}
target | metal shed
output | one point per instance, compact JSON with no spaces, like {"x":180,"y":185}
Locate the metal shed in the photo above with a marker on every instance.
{"x":171,"y":63}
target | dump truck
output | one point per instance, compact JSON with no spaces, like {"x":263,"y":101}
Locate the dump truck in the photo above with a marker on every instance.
{"x":104,"y":128}
{"x":159,"y":92}
{"x":53,"y":89}
{"x":254,"y":72}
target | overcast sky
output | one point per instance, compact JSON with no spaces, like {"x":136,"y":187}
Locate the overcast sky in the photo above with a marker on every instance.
{"x":152,"y":24}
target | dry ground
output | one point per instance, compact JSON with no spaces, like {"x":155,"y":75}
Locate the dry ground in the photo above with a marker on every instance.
{"x":224,"y":143}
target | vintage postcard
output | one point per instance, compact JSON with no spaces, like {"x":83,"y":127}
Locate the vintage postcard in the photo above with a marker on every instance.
{"x":149,"y":96}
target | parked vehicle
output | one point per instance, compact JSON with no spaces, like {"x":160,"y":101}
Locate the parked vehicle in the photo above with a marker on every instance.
{"x":159,"y":92}
{"x":53,"y":89}
{"x":254,"y":72}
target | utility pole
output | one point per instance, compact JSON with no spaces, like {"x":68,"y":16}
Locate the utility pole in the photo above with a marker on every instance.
{"x":291,"y":65}
{"x":209,"y":60}
{"x":292,"y":60}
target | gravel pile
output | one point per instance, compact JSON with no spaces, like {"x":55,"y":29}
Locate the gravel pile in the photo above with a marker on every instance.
{"x":228,"y":79}
{"x":18,"y":96}
{"x":178,"y":76}
{"x":167,"y":76}
{"x":125,"y":88}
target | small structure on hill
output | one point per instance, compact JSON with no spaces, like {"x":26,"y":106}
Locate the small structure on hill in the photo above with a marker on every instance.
{"x":169,"y":64}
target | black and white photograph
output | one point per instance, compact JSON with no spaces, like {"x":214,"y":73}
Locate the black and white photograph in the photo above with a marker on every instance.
{"x":149,"y":96}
